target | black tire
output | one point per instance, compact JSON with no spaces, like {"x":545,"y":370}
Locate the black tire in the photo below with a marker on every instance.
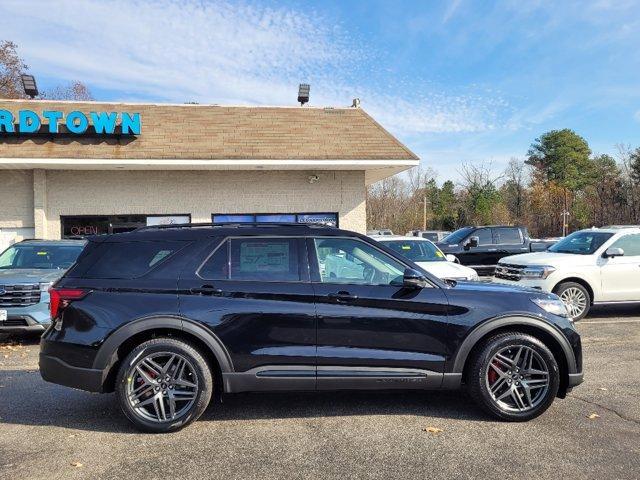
{"x":564,"y":288}
{"x":200,"y":370}
{"x":478,"y":377}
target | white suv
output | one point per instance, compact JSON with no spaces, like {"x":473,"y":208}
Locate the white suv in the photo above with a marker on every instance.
{"x":594,"y":266}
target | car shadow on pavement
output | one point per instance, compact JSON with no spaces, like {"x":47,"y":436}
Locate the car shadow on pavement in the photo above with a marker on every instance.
{"x":28,"y":400}
{"x":616,"y":311}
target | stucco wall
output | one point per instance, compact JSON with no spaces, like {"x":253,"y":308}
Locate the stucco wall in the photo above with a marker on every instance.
{"x":201,"y":193}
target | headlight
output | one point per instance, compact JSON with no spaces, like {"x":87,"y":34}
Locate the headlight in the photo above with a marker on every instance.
{"x":554,"y":306}
{"x":45,"y":286}
{"x":537,"y":272}
{"x":474,"y":277}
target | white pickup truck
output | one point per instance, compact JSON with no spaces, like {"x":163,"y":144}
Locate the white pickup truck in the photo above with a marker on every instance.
{"x":594,"y":266}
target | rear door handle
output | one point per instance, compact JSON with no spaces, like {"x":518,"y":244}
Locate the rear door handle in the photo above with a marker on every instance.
{"x":206,"y":290}
{"x":342,"y":297}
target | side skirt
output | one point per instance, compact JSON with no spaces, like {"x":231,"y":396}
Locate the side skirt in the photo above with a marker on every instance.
{"x":310,"y":378}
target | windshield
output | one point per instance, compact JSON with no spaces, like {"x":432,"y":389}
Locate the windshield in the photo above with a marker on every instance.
{"x":417,"y":251}
{"x":458,"y":235}
{"x":581,"y":243}
{"x":44,"y":257}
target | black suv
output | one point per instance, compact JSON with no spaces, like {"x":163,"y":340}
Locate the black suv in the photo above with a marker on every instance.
{"x":168,"y":317}
{"x":481,"y":247}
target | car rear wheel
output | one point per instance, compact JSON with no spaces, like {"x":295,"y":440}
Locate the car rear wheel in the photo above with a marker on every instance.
{"x":576,"y":298}
{"x":163,"y":385}
{"x":513,"y":376}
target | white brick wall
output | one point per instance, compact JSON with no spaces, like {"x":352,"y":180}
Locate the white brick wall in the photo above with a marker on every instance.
{"x":16,"y":198}
{"x":201,"y":193}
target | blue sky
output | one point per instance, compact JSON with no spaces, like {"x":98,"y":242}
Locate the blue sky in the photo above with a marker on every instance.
{"x":458,"y":81}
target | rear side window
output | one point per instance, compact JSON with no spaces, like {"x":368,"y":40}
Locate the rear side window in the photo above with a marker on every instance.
{"x":254,"y":259}
{"x":125,"y":260}
{"x":507,"y":235}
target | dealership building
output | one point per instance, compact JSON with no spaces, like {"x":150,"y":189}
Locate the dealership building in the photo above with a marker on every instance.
{"x":79,"y":168}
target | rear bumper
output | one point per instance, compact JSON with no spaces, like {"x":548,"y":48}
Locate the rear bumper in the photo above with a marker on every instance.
{"x":54,"y":370}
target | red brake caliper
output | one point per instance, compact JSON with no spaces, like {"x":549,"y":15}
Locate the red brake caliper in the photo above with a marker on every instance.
{"x":493,"y":375}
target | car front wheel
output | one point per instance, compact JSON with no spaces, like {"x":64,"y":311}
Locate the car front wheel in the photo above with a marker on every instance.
{"x":163,"y":385}
{"x":576,"y":298}
{"x":513,"y":376}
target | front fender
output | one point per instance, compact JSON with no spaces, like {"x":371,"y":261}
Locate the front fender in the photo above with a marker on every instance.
{"x":483,"y":329}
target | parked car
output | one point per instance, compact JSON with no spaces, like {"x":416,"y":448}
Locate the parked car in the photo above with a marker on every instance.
{"x":384,"y":231}
{"x":425,"y":254}
{"x":165,"y":317}
{"x":588,"y":267}
{"x":433,"y":235}
{"x":27,"y":270}
{"x":481,"y":247}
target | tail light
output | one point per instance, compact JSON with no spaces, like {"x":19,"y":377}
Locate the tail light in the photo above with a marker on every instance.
{"x":61,"y":298}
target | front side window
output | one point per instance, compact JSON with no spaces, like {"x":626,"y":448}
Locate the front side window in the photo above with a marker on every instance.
{"x":630,"y":244}
{"x":484,"y":236}
{"x":44,"y":257}
{"x":254,"y":259}
{"x":342,"y":260}
{"x":581,"y":243}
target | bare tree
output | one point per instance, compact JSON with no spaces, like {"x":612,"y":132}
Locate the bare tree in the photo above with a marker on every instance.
{"x":73,"y":91}
{"x":11,"y":67}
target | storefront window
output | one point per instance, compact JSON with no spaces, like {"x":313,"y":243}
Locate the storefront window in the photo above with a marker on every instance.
{"x":330,"y":219}
{"x":81,"y":226}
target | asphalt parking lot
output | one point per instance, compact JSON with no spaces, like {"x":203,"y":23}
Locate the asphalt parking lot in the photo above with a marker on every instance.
{"x":48,"y":431}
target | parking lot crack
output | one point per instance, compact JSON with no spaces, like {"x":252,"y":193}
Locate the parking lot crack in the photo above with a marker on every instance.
{"x":608,"y":409}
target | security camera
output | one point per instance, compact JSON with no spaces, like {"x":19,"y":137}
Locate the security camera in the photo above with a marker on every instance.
{"x":314,"y":179}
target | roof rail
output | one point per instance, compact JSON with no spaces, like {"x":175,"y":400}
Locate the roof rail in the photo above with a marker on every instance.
{"x":232,"y":224}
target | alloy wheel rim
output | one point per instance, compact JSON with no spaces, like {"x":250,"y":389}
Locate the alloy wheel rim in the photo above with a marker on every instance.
{"x":517,"y":378}
{"x":162,"y":386}
{"x":575,"y":301}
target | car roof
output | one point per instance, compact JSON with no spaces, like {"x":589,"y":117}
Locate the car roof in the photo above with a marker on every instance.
{"x":192,"y":232}
{"x":41,"y":242}
{"x":614,"y":229}
{"x":389,"y":238}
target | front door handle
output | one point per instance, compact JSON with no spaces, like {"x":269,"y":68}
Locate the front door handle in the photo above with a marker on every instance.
{"x":206,"y":290}
{"x":342,"y":297}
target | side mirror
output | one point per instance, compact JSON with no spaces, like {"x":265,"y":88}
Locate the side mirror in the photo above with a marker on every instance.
{"x":614,"y":252}
{"x":451,"y":258}
{"x":413,"y":279}
{"x":472,"y":242}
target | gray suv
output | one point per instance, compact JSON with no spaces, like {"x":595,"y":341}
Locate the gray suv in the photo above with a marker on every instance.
{"x":27,"y":270}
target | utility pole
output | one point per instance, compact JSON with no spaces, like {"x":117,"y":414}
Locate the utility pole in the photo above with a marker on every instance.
{"x":424,"y":212}
{"x":565,"y":223}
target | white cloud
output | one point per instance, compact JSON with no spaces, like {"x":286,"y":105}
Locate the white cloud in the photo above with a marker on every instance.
{"x":227,"y":53}
{"x":636,"y":116}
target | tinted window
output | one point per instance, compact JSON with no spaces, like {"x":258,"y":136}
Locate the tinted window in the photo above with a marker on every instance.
{"x":430,"y":236}
{"x":484,"y":236}
{"x":130,"y":259}
{"x":630,"y":244}
{"x":507,"y":235}
{"x":264,"y":259}
{"x":217,"y":265}
{"x":342,"y":260}
{"x":581,"y":243}
{"x":45,"y":257}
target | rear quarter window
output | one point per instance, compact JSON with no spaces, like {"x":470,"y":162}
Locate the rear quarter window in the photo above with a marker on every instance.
{"x":126,"y":260}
